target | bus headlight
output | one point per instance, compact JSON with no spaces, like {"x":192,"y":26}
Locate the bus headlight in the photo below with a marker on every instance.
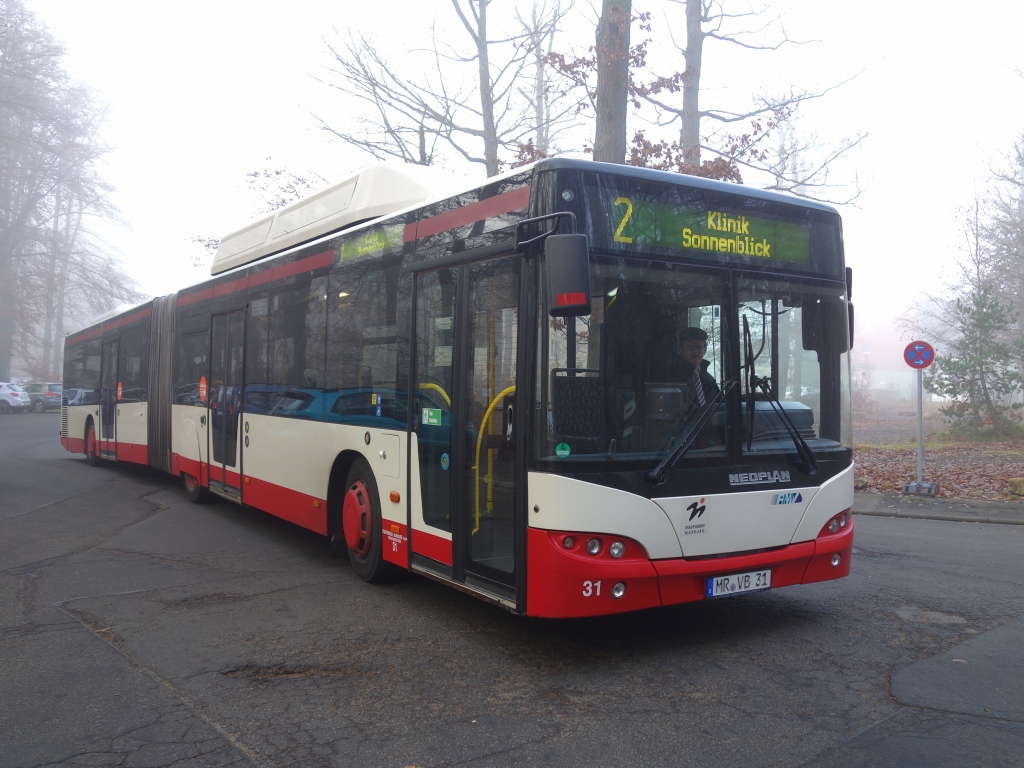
{"x":617,"y":549}
{"x":619,"y":590}
{"x":593,"y":546}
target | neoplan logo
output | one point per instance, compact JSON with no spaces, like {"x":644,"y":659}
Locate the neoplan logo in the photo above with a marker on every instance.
{"x":696,"y":509}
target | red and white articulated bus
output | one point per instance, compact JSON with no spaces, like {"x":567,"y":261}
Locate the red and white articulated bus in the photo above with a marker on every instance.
{"x":576,"y":389}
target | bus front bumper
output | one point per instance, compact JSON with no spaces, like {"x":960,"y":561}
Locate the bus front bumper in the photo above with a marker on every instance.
{"x":568,"y":583}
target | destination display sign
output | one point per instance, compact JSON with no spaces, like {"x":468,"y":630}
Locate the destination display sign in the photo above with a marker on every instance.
{"x":640,"y":223}
{"x":372,"y":243}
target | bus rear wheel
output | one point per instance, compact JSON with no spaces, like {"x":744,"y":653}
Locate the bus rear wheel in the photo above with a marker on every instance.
{"x":193,"y":488}
{"x":92,"y":448}
{"x":361,"y":525}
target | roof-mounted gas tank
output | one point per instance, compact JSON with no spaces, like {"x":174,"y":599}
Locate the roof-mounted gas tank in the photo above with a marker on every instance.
{"x":373,"y":192}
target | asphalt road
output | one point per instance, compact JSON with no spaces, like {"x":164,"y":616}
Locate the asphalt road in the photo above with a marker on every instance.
{"x":139,"y":630}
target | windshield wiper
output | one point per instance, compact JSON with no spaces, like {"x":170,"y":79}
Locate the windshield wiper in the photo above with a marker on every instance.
{"x":808,"y":461}
{"x":752,"y":382}
{"x":704,"y":415}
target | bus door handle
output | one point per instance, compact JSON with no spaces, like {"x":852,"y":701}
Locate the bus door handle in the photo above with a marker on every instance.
{"x":509,"y":413}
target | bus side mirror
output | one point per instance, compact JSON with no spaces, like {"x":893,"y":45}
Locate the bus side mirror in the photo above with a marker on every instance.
{"x":568,"y":272}
{"x":826,"y":325}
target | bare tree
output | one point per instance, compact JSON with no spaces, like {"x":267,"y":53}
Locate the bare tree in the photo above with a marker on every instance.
{"x":737,"y":139}
{"x":1003,"y":228}
{"x":275,"y":188}
{"x":52,"y":272}
{"x":482,"y":117}
{"x":548,"y":119}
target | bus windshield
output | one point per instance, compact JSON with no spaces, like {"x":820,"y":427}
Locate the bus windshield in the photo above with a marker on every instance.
{"x":631,"y":380}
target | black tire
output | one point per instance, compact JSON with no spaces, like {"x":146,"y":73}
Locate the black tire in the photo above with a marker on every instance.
{"x":38,"y":406}
{"x":195,"y":492}
{"x":364,"y":551}
{"x":92,"y":448}
{"x":4,"y":407}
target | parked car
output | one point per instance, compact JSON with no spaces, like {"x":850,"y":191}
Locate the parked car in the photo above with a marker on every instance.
{"x":12,"y":398}
{"x":45,"y":396}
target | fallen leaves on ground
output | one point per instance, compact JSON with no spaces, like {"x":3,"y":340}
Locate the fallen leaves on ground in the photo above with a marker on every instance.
{"x":962,"y":470}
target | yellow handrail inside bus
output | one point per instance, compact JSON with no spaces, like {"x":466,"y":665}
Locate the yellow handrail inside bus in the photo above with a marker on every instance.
{"x":436,"y":388}
{"x":476,"y":458}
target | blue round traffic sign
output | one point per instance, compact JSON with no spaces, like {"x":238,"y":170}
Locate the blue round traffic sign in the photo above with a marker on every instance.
{"x":919,"y":354}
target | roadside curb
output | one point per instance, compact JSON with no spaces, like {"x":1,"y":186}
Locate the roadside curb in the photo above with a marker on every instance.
{"x":951,"y":510}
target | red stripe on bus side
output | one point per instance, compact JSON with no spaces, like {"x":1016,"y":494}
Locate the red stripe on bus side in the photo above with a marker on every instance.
{"x":110,"y":325}
{"x":299,"y":508}
{"x":293,"y":506}
{"x":132,"y":452}
{"x":316,"y":261}
{"x":434,"y":547}
{"x":469,"y":214}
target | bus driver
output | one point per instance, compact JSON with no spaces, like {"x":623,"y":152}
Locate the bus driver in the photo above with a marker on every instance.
{"x":693,"y":344}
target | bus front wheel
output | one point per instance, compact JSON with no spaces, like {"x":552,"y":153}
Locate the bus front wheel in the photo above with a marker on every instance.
{"x":361,"y":525}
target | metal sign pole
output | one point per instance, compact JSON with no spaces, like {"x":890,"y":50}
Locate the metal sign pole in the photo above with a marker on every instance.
{"x":919,"y":355}
{"x":920,"y":426}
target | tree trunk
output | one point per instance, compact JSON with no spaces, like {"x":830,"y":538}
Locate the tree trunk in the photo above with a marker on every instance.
{"x":689,"y":136}
{"x":486,"y":93}
{"x":612,"y":81}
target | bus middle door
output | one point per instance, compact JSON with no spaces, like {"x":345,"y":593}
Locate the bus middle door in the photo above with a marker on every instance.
{"x":227,"y":357}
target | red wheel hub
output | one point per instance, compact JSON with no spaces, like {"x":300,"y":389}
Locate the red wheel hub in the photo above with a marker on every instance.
{"x":190,"y":482}
{"x":357,"y":517}
{"x":90,"y":442}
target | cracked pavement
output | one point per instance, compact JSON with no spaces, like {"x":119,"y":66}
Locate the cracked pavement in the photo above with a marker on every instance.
{"x":139,"y":630}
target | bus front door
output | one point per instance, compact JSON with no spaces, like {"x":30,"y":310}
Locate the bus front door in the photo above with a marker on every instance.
{"x":107,"y":432}
{"x":227,"y":352}
{"x":467,"y":321}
